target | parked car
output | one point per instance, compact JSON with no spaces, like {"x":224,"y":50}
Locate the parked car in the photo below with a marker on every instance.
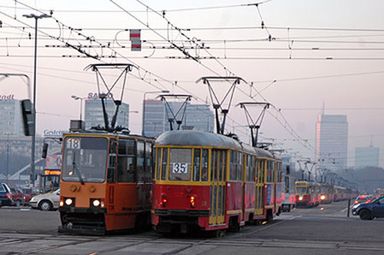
{"x":17,"y":196}
{"x":5,"y":195}
{"x":370,"y":210}
{"x":47,"y":201}
{"x":28,"y":194}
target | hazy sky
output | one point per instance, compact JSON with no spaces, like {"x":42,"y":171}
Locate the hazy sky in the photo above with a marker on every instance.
{"x":321,"y":54}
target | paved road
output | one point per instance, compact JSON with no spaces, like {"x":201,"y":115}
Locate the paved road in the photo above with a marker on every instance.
{"x":321,"y":230}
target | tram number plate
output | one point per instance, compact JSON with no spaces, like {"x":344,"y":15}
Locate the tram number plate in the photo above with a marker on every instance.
{"x":73,"y":143}
{"x":179,"y":168}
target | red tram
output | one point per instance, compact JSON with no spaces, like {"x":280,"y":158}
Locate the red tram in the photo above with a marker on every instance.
{"x":105,"y":182}
{"x":307,"y":194}
{"x":210,"y":182}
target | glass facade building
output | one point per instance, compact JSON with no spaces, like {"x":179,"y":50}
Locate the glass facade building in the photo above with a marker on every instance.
{"x":367,"y":156}
{"x":332,"y":141}
{"x":11,"y":119}
{"x":93,"y":113}
{"x":156,"y":117}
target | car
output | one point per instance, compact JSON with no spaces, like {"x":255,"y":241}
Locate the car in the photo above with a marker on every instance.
{"x":28,"y":194}
{"x":47,"y":201}
{"x":362,"y":199}
{"x":5,"y":195}
{"x":17,"y":196}
{"x":370,"y":210}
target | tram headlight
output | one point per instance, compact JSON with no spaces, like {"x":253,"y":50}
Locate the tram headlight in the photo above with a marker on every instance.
{"x":68,"y":201}
{"x":322,"y":197}
{"x":96,"y":202}
{"x":300,"y":198}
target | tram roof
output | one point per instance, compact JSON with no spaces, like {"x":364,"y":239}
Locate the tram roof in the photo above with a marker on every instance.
{"x":198,"y":138}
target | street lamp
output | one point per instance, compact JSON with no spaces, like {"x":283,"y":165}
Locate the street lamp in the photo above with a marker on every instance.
{"x":36,"y":17}
{"x":81,"y":105}
{"x":145,"y":94}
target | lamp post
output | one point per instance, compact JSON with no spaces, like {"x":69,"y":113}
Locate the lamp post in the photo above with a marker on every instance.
{"x":36,"y":17}
{"x":145,"y":94}
{"x":81,"y":105}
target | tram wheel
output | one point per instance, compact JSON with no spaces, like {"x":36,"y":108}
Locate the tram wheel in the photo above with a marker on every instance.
{"x":219,"y":233}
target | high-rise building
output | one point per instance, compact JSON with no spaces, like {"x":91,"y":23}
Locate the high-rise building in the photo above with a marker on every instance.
{"x":11,"y":118}
{"x":332,"y":141}
{"x":367,"y":156}
{"x":93,"y":113}
{"x":156,"y":117}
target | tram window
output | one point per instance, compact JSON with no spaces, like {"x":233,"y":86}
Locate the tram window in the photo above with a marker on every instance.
{"x":281,"y":172}
{"x":223,"y":169}
{"x":204,"y":166}
{"x":113,"y":147}
{"x":164,"y":164}
{"x":196,"y":165}
{"x":261,"y":170}
{"x":255,"y":167}
{"x":148,"y":162}
{"x":131,"y":146}
{"x":111,"y":168}
{"x":269,"y":171}
{"x":218,"y":166}
{"x":140,"y":161}
{"x":239,"y":167}
{"x":233,"y":164}
{"x":249,"y":168}
{"x":180,"y":164}
{"x":213,"y":166}
{"x":158,"y":163}
{"x":122,"y":147}
{"x":126,"y":169}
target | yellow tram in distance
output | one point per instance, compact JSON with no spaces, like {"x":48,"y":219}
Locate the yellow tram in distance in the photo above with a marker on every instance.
{"x":105,"y":182}
{"x":210,"y":182}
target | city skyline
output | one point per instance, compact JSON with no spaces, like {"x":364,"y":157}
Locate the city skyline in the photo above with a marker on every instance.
{"x":296,"y":61}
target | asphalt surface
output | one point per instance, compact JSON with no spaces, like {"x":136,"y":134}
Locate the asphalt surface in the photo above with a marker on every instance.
{"x":325,"y":229}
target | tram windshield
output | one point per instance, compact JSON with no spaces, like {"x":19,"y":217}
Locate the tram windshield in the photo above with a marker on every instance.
{"x":180,"y":164}
{"x":85,"y":159}
{"x":302,"y":190}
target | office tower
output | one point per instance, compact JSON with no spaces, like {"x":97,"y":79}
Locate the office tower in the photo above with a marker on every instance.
{"x":93,"y":112}
{"x":156,"y":116}
{"x":367,"y":156}
{"x":332,"y":141}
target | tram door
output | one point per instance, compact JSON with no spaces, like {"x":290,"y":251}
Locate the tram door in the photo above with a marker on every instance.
{"x":260,"y":188}
{"x":217,"y":187}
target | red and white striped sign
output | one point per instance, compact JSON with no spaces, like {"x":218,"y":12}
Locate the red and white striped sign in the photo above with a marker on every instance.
{"x":134,"y":37}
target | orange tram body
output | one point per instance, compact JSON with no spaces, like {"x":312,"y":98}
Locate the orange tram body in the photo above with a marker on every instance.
{"x":210,"y":182}
{"x":105,"y":182}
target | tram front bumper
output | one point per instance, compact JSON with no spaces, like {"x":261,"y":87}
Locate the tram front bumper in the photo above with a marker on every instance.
{"x":182,"y":221}
{"x":89,"y":221}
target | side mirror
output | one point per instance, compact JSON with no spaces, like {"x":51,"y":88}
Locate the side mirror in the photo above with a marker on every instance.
{"x":45,"y":150}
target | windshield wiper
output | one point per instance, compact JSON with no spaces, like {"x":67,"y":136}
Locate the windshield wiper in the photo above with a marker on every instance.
{"x":77,"y":170}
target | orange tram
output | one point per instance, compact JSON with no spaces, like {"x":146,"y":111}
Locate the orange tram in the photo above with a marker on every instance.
{"x":210,"y":182}
{"x":105,"y":182}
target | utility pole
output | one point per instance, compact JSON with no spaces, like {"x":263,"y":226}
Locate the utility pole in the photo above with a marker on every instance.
{"x":36,"y":17}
